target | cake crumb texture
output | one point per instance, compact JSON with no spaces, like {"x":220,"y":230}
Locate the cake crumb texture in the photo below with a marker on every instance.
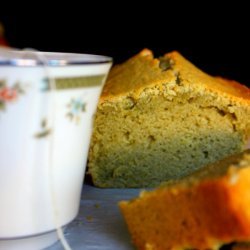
{"x":161,"y":119}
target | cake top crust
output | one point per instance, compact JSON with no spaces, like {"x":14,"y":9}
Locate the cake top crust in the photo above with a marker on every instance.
{"x":143,"y":71}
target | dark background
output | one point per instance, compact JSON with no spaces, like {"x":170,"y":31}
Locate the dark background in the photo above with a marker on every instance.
{"x":214,"y":38}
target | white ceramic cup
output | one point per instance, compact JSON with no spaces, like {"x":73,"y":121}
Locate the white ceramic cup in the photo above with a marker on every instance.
{"x":44,"y":140}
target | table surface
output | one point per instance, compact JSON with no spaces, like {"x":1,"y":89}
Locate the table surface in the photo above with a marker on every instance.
{"x":99,"y":224}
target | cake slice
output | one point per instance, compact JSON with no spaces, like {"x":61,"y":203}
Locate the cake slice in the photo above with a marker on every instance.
{"x":202,"y":211}
{"x":161,"y":119}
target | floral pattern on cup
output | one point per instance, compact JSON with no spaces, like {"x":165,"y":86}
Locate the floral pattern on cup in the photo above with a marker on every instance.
{"x":76,"y":106}
{"x":44,"y":130}
{"x":9,"y":94}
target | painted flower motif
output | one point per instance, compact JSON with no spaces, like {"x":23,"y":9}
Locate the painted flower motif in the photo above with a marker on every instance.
{"x":9,"y":94}
{"x":76,"y":107}
{"x":44,"y":130}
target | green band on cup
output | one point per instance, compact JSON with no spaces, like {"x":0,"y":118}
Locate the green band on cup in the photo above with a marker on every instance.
{"x":73,"y":83}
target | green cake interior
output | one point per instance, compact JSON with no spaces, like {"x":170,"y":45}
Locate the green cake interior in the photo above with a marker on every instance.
{"x":162,"y":135}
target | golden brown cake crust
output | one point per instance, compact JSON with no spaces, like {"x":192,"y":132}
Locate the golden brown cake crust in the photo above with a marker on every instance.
{"x":143,"y":71}
{"x":236,"y":88}
{"x":134,"y":75}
